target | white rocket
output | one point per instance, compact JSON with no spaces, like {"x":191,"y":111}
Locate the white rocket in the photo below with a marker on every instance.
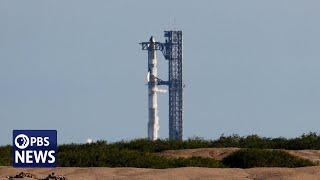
{"x":153,"y":124}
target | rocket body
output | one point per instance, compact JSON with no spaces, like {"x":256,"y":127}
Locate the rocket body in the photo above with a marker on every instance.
{"x":153,"y":123}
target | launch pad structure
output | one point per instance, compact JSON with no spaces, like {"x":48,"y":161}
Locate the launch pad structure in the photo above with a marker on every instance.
{"x":172,"y":52}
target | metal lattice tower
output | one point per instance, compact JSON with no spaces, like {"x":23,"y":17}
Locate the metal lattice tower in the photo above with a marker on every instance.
{"x":172,"y":51}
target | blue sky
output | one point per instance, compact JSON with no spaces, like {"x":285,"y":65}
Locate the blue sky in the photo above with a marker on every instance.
{"x":250,"y":67}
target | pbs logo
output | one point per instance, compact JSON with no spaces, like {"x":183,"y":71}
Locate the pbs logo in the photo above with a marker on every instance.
{"x":21,"y":141}
{"x":34,"y":148}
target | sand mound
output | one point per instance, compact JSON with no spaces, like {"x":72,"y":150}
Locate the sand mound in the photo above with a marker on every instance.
{"x":220,"y":153}
{"x":215,"y":153}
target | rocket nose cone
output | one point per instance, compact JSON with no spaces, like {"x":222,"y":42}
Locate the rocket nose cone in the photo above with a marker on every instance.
{"x":152,"y":39}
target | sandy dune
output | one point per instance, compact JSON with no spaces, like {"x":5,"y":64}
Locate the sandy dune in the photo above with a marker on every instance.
{"x":305,"y":173}
{"x":215,"y":153}
{"x":220,"y":153}
{"x":313,"y":155}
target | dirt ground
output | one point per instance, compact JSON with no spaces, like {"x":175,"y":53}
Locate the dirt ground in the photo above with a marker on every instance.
{"x":95,"y":173}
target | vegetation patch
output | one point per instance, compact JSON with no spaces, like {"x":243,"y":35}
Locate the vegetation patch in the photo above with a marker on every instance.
{"x":142,"y":152}
{"x":5,"y":155}
{"x":305,"y":141}
{"x":102,"y":155}
{"x":248,"y":158}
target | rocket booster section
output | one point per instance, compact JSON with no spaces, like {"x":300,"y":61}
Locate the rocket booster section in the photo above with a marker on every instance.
{"x":153,"y":124}
{"x":153,"y":82}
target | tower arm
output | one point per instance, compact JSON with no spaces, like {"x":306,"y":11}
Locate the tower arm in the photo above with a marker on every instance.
{"x":158,"y":46}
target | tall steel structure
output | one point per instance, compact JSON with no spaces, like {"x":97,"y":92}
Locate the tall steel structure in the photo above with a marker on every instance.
{"x":172,"y":51}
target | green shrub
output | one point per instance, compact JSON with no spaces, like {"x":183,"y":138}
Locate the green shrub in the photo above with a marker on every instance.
{"x":5,"y":155}
{"x":248,"y":158}
{"x":144,"y":145}
{"x":103,"y":155}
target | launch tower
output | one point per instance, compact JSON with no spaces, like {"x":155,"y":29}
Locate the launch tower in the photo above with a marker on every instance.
{"x":172,"y":51}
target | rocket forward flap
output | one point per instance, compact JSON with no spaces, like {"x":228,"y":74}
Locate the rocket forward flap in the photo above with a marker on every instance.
{"x":148,"y":76}
{"x":152,"y":39}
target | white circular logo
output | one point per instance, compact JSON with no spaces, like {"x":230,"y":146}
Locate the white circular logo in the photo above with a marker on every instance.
{"x":21,"y":141}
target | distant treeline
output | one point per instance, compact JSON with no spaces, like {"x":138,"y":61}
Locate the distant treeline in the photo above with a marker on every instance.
{"x":142,"y":152}
{"x":305,"y":141}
